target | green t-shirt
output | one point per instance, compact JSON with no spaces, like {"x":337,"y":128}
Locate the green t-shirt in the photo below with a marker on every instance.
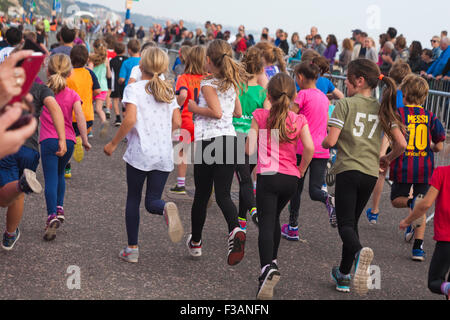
{"x":100,"y":72}
{"x":250,"y":101}
{"x":360,"y":140}
{"x":46,"y":26}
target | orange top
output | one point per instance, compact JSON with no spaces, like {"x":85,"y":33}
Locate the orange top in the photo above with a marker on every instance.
{"x":82,"y":83}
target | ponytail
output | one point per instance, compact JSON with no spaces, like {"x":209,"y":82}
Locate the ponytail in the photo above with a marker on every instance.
{"x":59,"y":69}
{"x":230,"y":73}
{"x":389,"y":117}
{"x":160,"y":89}
{"x":154,"y":62}
{"x":279,"y":56}
{"x":57,"y":83}
{"x":281,"y":89}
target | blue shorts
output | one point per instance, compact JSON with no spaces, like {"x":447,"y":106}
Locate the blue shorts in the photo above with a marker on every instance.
{"x":11,"y":167}
{"x":89,"y":125}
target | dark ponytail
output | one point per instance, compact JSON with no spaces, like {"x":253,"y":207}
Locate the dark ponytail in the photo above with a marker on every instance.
{"x":367,"y":69}
{"x":308,"y":69}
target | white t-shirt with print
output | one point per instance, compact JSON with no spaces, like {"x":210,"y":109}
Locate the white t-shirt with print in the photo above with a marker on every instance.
{"x":136,"y":74}
{"x":150,"y":141}
{"x":206,"y":127}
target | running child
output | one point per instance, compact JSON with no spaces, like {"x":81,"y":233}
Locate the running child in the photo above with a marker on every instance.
{"x":414,"y":168}
{"x":188,"y":88}
{"x":134,"y":47}
{"x":273,"y":60}
{"x":84,"y":82}
{"x":99,"y":63}
{"x":313,"y":105}
{"x":59,"y":69}
{"x":215,"y":148}
{"x":152,"y":115}
{"x":117,"y":88}
{"x":355,"y":128}
{"x":278,"y":173}
{"x":17,"y":171}
{"x":439,"y":192}
{"x":398,"y":72}
{"x":251,"y":99}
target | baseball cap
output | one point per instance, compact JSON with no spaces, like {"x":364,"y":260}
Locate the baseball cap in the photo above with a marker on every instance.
{"x":357,"y":31}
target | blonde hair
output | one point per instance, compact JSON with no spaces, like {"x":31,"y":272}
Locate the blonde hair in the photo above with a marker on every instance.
{"x":195,"y":61}
{"x":272,"y":54}
{"x":100,"y":52}
{"x":184,"y":52}
{"x":415,"y":89}
{"x":59,"y":69}
{"x":155,"y":62}
{"x":231,"y":73}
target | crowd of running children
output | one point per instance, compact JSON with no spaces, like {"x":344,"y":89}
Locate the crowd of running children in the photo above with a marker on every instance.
{"x":241,"y":116}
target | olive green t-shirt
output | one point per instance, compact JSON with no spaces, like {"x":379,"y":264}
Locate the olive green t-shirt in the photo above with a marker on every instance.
{"x":360,"y":140}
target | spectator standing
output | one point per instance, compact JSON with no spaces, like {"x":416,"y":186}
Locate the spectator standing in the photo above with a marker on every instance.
{"x":346,"y":55}
{"x":388,"y":57}
{"x":402,"y":51}
{"x":371,"y":52}
{"x":319,"y":46}
{"x":332,"y":48}
{"x":435,"y":44}
{"x":415,"y":60}
{"x":438,"y":66}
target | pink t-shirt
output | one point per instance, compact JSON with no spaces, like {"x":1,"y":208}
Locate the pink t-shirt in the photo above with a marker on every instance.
{"x":441,"y":181}
{"x":66,"y":98}
{"x":314,"y":105}
{"x":274,"y":157}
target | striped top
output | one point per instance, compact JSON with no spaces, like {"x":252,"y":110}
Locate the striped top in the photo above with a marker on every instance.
{"x":416,"y":164}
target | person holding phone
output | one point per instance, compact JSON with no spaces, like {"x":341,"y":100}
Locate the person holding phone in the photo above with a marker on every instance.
{"x":17,"y":171}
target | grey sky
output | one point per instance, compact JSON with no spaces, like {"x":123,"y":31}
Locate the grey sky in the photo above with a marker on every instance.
{"x":416,"y":19}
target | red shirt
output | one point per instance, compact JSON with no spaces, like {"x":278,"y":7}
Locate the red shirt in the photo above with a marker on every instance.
{"x":111,"y":54}
{"x":241,"y":45}
{"x":441,"y":181}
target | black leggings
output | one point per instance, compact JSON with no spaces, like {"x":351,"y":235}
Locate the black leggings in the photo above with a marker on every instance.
{"x":273,"y":193}
{"x":214,"y":165}
{"x":353,"y":191}
{"x":244,"y":168}
{"x":317,"y":170}
{"x":439,"y":267}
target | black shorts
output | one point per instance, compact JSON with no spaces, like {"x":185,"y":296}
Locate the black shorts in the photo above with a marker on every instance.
{"x":403,"y":189}
{"x":89,"y":124}
{"x":118,"y":93}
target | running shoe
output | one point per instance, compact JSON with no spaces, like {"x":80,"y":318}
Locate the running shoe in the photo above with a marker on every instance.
{"x":52,"y":225}
{"x":342,"y":282}
{"x":290,"y":233}
{"x":363,"y":260}
{"x":418,"y":255}
{"x":324,"y":188}
{"x":236,"y":246}
{"x":60,"y":214}
{"x":9,"y":241}
{"x":178,"y":190}
{"x":418,"y":222}
{"x":331,"y":211}
{"x":372,"y":217}
{"x":67,"y":173}
{"x":78,"y":151}
{"x":104,"y":129}
{"x":267,"y":282}
{"x":107,"y":113}
{"x":409,"y":233}
{"x":129,"y":255}
{"x":90,"y":135}
{"x":254,"y":217}
{"x":173,"y":222}
{"x":243,"y":224}
{"x":118,"y":123}
{"x":28,"y":182}
{"x":194,"y":250}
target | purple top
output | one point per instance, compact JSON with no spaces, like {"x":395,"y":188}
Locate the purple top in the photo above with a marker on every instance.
{"x":330,"y":53}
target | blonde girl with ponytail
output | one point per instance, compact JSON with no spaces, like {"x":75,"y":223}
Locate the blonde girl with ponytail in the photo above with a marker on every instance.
{"x":59,"y":69}
{"x":152,"y":115}
{"x":275,"y":134}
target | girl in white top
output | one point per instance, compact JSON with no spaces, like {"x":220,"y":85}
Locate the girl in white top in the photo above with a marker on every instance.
{"x":215,"y":150}
{"x":152,"y":114}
